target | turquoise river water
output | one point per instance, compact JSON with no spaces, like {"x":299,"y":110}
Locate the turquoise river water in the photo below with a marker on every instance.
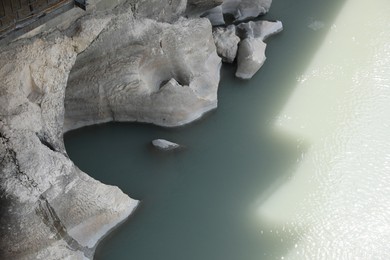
{"x":292,"y":165}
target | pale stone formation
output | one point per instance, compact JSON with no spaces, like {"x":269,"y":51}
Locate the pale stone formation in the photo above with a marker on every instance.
{"x":259,"y":29}
{"x":238,"y":10}
{"x":251,"y":51}
{"x":226,"y":42}
{"x":49,"y":208}
{"x":245,"y":9}
{"x":123,"y":66}
{"x":251,"y":56}
{"x":197,"y":7}
{"x":215,"y":16}
{"x":163,"y":11}
{"x":165,"y":145}
{"x":145,"y":71}
{"x":150,"y":70}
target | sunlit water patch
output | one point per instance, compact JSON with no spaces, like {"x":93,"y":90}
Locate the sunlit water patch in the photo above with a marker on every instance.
{"x":338,"y":200}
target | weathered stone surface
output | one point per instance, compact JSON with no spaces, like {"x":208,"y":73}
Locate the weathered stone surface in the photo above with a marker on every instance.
{"x":165,"y":145}
{"x":122,"y":75}
{"x":136,"y":69}
{"x":197,"y":7}
{"x":251,"y":50}
{"x":226,"y":42}
{"x":259,"y":29}
{"x":49,"y":208}
{"x":251,"y":56}
{"x":162,"y":11}
{"x":244,"y":9}
{"x":215,"y":16}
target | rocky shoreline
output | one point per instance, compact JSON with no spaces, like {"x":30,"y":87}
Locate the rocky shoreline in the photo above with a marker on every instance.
{"x":121,"y":61}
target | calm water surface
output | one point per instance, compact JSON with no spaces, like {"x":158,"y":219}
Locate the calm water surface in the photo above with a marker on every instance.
{"x":210,"y":201}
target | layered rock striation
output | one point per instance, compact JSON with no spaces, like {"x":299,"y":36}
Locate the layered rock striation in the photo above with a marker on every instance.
{"x":134,"y":60}
{"x":49,"y":208}
{"x":251,"y":51}
{"x":245,"y":9}
{"x":246,"y":42}
{"x":226,"y":41}
{"x":161,"y":73}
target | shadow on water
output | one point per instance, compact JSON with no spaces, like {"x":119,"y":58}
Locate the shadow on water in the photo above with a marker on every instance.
{"x":197,"y":203}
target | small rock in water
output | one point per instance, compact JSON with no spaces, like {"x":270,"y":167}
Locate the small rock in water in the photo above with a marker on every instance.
{"x":251,"y":56}
{"x":251,"y":50}
{"x":244,"y":9}
{"x":259,"y":29}
{"x":163,"y":144}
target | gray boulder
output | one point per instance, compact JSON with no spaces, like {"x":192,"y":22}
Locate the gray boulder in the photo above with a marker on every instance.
{"x":251,"y":56}
{"x":259,"y":29}
{"x":251,"y":50}
{"x":245,"y":9}
{"x":226,"y":42}
{"x":165,"y":145}
{"x":215,"y":16}
{"x":162,"y":11}
{"x":122,"y":68}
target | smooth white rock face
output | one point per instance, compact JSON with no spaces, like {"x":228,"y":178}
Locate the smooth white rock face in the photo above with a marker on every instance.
{"x":122,"y":76}
{"x":251,"y":56}
{"x":197,"y":7}
{"x":244,"y":9}
{"x":259,"y":29}
{"x":135,"y":69}
{"x":50,"y":209}
{"x":251,"y":50}
{"x":163,"y":144}
{"x":226,"y":42}
{"x":158,"y":10}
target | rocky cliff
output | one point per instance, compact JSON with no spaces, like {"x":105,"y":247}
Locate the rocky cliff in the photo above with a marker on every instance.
{"x":49,"y":208}
{"x":135,"y":60}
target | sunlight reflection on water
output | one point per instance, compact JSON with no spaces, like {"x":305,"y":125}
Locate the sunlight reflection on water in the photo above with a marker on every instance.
{"x":337,"y":200}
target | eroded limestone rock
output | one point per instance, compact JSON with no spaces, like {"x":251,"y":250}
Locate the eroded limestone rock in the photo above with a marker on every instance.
{"x":122,"y":76}
{"x":136,"y":69}
{"x":245,"y":9}
{"x":197,"y":7}
{"x":251,"y":56}
{"x":162,"y":11}
{"x":251,"y":50}
{"x":236,"y":11}
{"x":226,"y":42}
{"x":215,"y":16}
{"x":49,"y":208}
{"x":259,"y":29}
